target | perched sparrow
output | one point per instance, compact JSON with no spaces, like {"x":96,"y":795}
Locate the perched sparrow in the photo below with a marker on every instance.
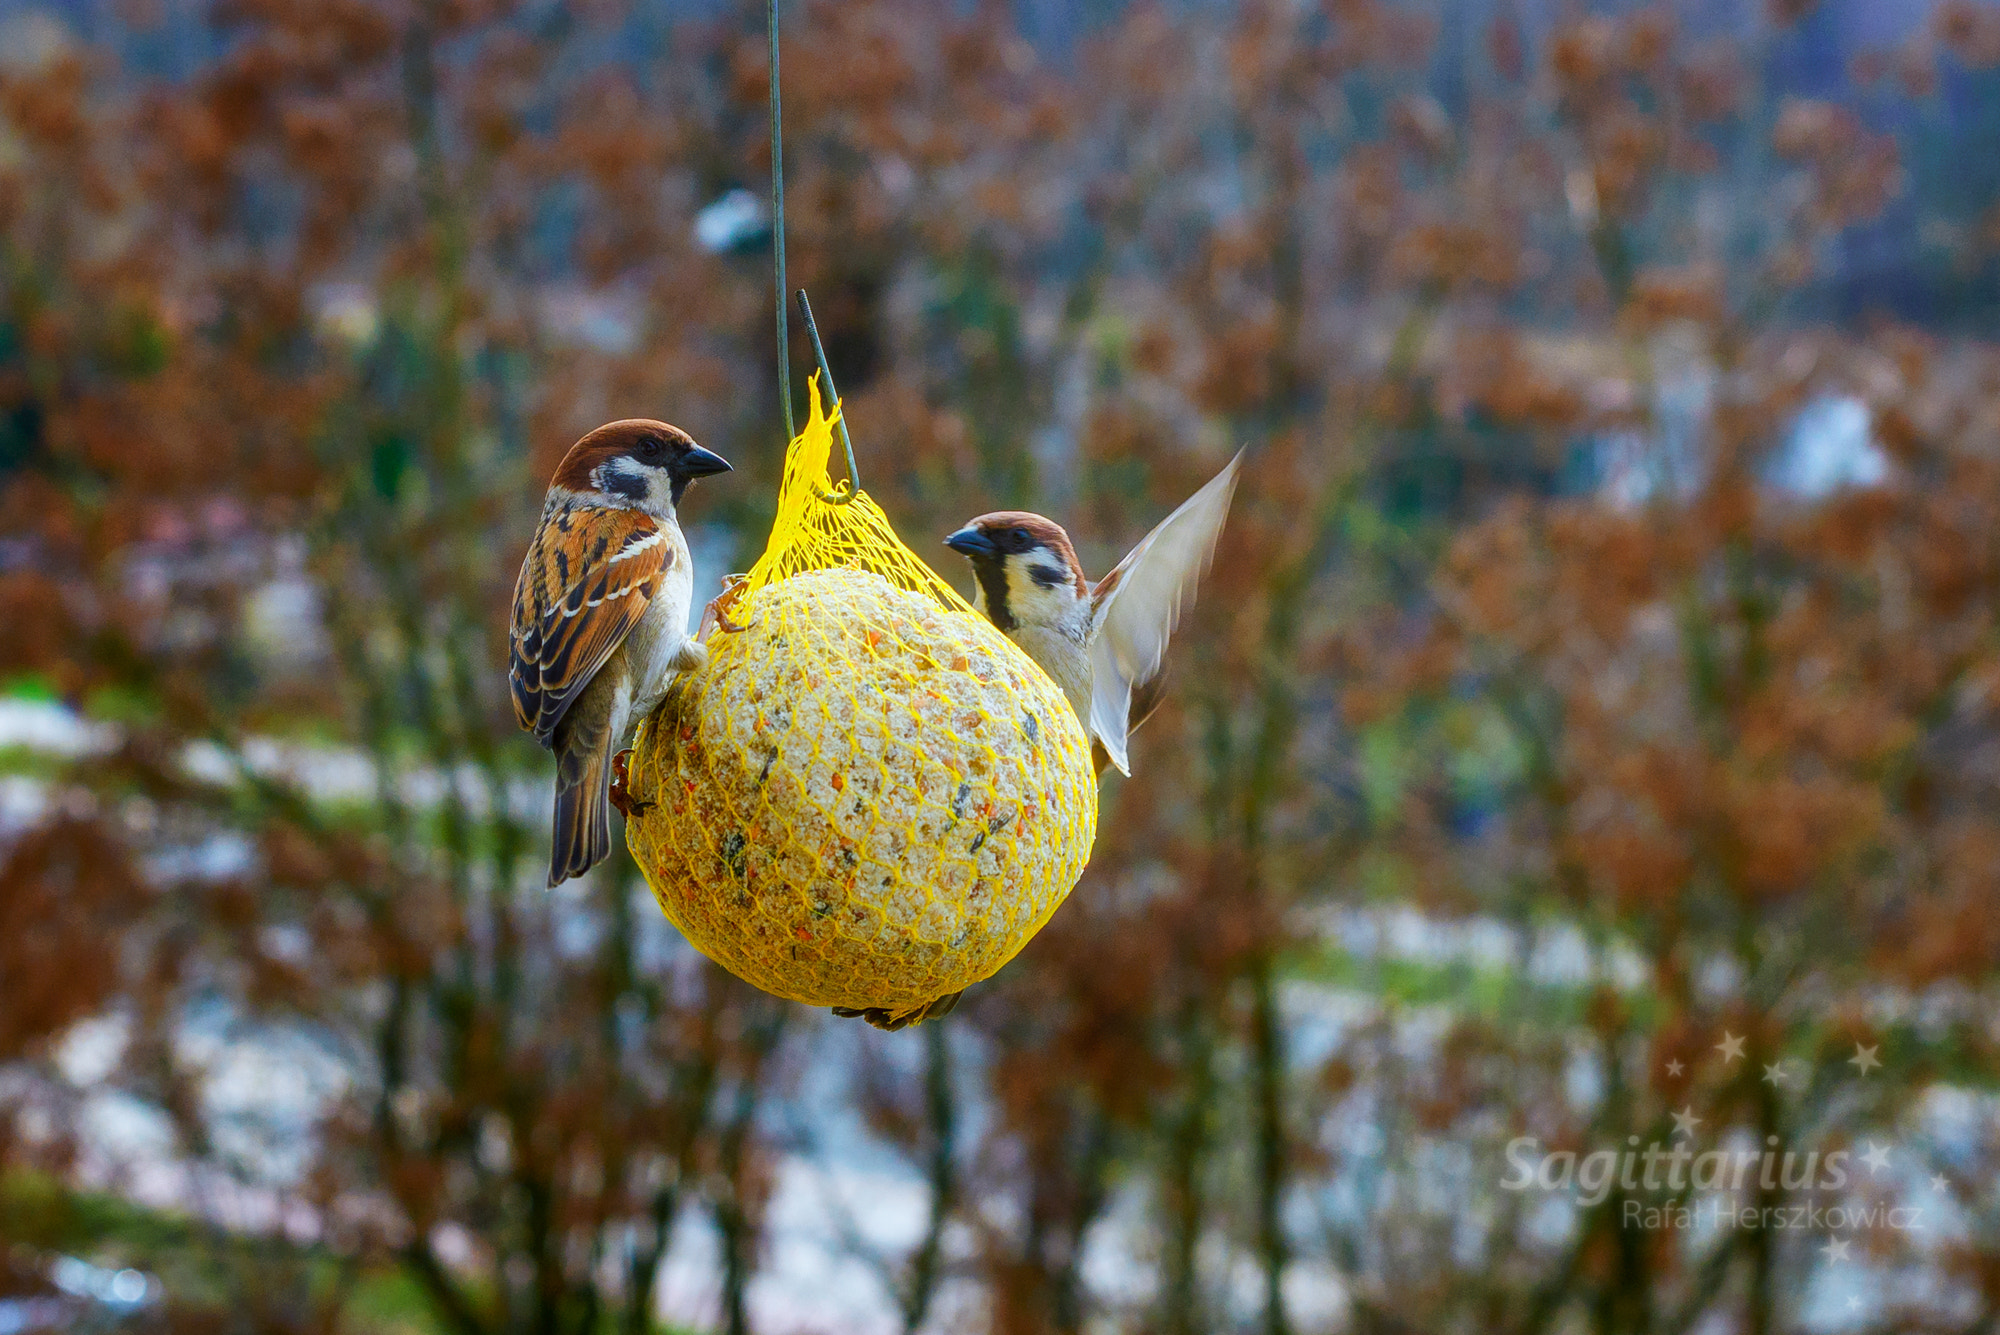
{"x":600,"y":615}
{"x":1103,"y":643}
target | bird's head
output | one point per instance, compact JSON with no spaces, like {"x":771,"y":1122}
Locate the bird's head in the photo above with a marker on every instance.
{"x":1026,"y":569}
{"x":637,"y":465}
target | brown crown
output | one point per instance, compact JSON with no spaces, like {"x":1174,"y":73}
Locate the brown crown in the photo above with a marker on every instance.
{"x":608,"y":442}
{"x":1045,"y":531}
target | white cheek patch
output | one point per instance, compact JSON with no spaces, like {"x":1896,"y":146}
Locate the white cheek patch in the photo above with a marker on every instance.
{"x":1032,"y":599}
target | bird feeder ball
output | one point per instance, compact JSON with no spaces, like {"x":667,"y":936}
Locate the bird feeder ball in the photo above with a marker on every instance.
{"x":868,"y":797}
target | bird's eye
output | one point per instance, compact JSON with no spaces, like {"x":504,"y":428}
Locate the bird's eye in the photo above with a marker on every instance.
{"x":652,"y":447}
{"x":1018,"y":534}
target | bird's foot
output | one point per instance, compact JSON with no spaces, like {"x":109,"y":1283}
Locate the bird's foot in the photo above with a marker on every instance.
{"x":715,"y":616}
{"x":881,"y":1017}
{"x":621,"y":795}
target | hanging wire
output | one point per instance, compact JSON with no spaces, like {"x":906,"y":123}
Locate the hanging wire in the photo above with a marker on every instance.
{"x":844,"y":494}
{"x":778,"y":222}
{"x":853,"y":483}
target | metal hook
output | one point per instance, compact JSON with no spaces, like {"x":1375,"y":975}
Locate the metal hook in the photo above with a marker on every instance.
{"x":853,"y":484}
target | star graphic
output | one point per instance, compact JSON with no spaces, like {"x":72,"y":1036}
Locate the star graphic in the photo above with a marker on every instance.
{"x":1854,"y":1304}
{"x":1864,"y":1059}
{"x":1674,"y":1067}
{"x":1685,"y":1121}
{"x":1939,"y":1185}
{"x":1877,"y":1157}
{"x":1774,"y":1074}
{"x":1731,"y":1047}
{"x":1835,"y":1249}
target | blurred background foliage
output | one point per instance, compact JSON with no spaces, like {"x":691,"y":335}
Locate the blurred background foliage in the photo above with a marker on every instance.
{"x":1600,"y":665}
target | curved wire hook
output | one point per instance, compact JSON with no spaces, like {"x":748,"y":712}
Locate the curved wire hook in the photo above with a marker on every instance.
{"x":853,"y":484}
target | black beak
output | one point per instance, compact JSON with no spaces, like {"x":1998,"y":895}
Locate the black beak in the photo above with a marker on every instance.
{"x":971,"y":542}
{"x":698,"y":462}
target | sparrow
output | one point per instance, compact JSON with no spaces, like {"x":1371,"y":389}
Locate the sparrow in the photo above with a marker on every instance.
{"x":600,"y":615}
{"x":1104,"y":643}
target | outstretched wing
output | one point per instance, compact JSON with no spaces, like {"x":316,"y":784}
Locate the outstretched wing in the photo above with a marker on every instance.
{"x":586,"y":581}
{"x":1139,"y":604}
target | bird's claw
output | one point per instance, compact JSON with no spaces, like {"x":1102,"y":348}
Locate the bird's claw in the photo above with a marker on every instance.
{"x":881,"y":1017}
{"x":878,"y":1016}
{"x":715,"y":616}
{"x":620,"y":792}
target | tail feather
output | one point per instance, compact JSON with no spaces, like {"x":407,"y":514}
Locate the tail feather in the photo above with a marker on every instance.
{"x":583,"y":808}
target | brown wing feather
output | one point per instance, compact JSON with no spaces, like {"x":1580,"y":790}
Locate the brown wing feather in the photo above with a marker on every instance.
{"x":587,"y":579}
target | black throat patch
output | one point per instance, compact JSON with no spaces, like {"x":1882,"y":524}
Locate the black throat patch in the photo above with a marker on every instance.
{"x":992,"y":576}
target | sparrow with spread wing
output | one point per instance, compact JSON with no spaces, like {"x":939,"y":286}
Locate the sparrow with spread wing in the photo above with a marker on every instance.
{"x":1105,"y":644}
{"x":600,"y":615}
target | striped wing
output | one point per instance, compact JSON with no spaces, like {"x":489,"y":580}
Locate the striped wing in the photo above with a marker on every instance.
{"x":586,"y":581}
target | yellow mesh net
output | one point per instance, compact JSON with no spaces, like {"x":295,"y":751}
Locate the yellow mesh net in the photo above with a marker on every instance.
{"x":869,"y":797}
{"x":813,"y":534}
